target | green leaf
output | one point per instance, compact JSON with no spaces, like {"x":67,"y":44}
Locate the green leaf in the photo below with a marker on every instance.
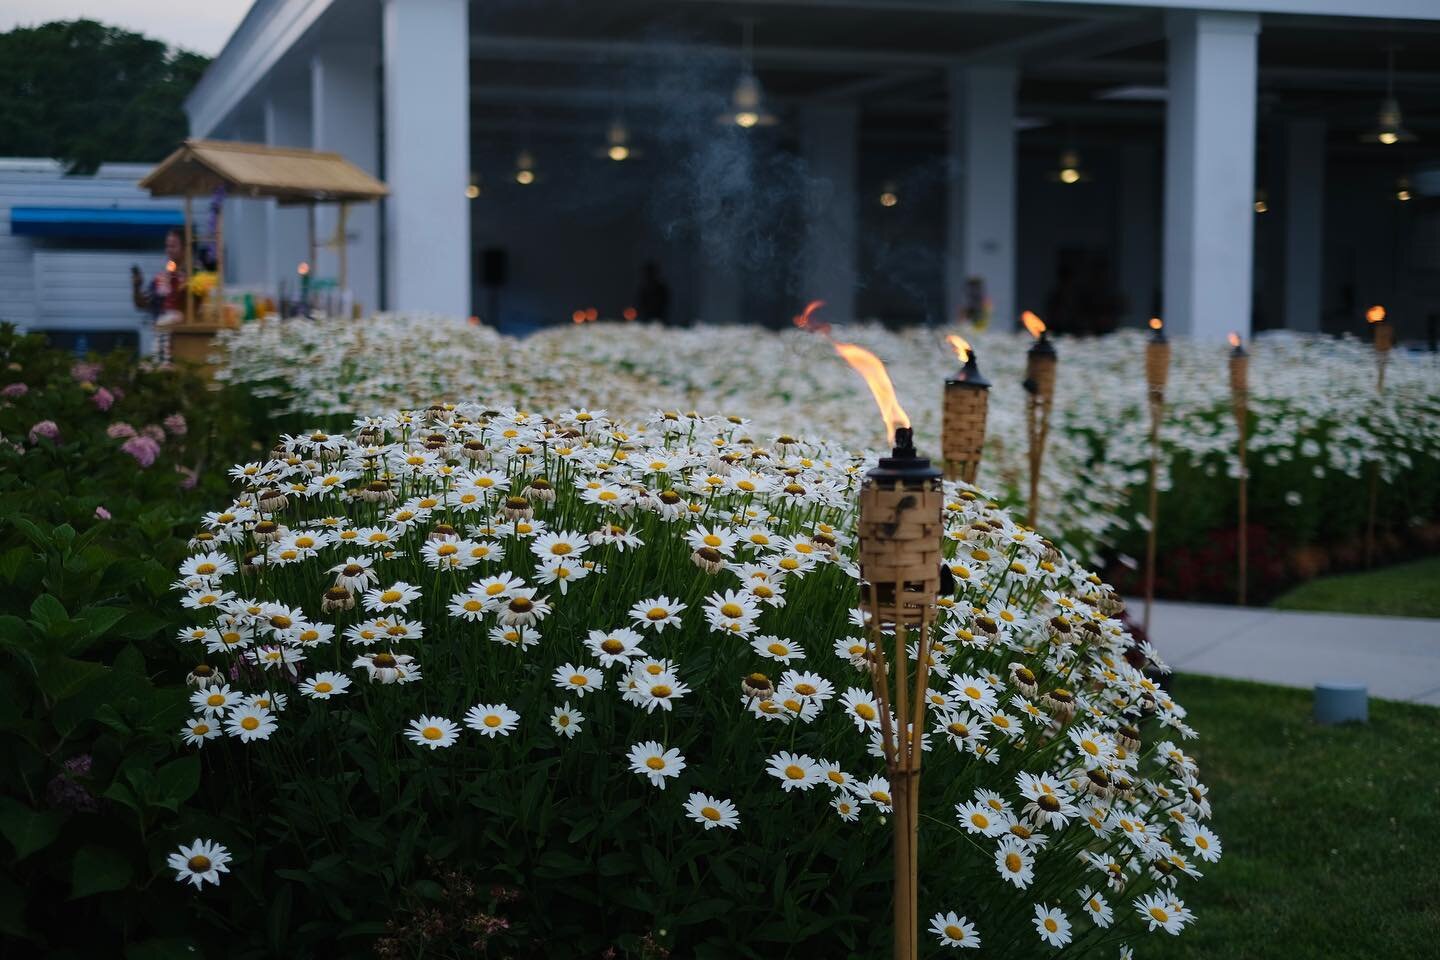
{"x":27,"y":830}
{"x":163,"y":949}
{"x":178,"y":780}
{"x":49,"y":612}
{"x":96,"y":622}
{"x":62,"y":677}
{"x":98,"y":869}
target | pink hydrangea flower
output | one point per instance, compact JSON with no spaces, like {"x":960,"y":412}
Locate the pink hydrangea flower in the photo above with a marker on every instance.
{"x":12,"y":390}
{"x":47,"y":429}
{"x":103,"y":399}
{"x":119,"y":430}
{"x":143,"y":449}
{"x":189,"y":477}
{"x":176,"y":424}
{"x":80,"y":372}
{"x":154,"y":432}
{"x":101,"y":513}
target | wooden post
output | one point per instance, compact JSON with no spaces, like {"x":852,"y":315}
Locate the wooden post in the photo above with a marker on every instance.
{"x":218,"y":294}
{"x":344,"y":250}
{"x":310,"y":228}
{"x":189,"y":262}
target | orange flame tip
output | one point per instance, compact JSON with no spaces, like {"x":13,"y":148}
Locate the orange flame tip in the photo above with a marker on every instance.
{"x":878,"y":380}
{"x":1375,"y":314}
{"x":1033,"y":323}
{"x":1234,"y":339}
{"x":1156,"y":323}
{"x":962,"y":347}
{"x":806,"y":321}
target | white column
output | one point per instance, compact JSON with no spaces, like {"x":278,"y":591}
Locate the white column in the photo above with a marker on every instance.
{"x":1303,"y":210}
{"x":1139,"y":232}
{"x":427,"y":155}
{"x":719,"y":298}
{"x":829,"y":142}
{"x":980,"y":222}
{"x":1210,"y":172}
{"x":287,"y":124}
{"x":344,"y":96}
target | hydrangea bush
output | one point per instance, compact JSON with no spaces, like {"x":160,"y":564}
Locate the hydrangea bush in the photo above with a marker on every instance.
{"x":471,"y":678}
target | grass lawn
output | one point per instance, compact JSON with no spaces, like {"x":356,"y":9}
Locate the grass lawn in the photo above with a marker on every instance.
{"x":1406,"y":590}
{"x":1331,"y":836}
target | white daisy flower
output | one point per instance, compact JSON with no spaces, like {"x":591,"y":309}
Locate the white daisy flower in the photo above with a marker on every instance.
{"x":433,"y":732}
{"x":201,"y":862}
{"x":954,"y":931}
{"x":566,"y":721}
{"x":324,"y":685}
{"x":711,"y":812}
{"x":651,"y":759}
{"x":492,"y":719}
{"x":250,"y":723}
{"x":1052,"y":925}
{"x":577,"y":679}
{"x":795,"y":771}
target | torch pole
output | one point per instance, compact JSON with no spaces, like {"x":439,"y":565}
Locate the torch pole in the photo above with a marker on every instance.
{"x":1040,"y":363}
{"x":899,"y":552}
{"x":1240,"y":405}
{"x":1157,"y":372}
{"x":1384,"y":340}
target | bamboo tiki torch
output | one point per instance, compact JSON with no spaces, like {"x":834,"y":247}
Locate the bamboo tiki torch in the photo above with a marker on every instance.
{"x":1240,"y":405}
{"x":1040,"y":364}
{"x":966,"y":406}
{"x":1384,"y":343}
{"x":1157,"y":373}
{"x":900,"y":532}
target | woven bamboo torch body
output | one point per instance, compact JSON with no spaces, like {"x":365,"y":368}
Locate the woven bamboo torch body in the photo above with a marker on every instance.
{"x":1384,"y":343}
{"x":1157,"y":374}
{"x":1040,"y":364}
{"x":1240,"y":406}
{"x":900,"y":532}
{"x":966,"y":408}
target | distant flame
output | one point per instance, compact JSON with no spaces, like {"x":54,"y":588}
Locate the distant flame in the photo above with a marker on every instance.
{"x":1034,"y":324}
{"x":869,"y":366}
{"x":806,"y":321}
{"x":303,"y":269}
{"x":578,"y":316}
{"x":170,"y":266}
{"x":630,"y":313}
{"x":961,"y":346}
{"x":591,"y":314}
{"x":1234,"y":339}
{"x":1375,"y":314}
{"x":1156,"y":323}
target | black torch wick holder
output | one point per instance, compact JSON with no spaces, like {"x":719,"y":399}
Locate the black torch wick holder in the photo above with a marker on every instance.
{"x":904,"y":467}
{"x":970,"y":375}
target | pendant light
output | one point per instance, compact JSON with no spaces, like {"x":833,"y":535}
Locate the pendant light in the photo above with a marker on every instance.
{"x":524,"y":168}
{"x":1389,"y":127}
{"x":747,"y":102}
{"x":1070,"y":172}
{"x":617,"y":143}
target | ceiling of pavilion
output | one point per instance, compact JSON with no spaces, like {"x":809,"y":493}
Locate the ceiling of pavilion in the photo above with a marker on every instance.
{"x":549,"y":67}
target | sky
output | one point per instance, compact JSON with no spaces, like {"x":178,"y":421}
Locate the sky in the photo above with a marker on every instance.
{"x":200,"y":25}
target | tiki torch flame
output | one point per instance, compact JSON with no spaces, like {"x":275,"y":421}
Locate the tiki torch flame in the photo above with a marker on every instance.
{"x":1234,"y":339}
{"x":1375,"y":314}
{"x":869,"y":366}
{"x":961,"y":346}
{"x":1034,"y":324}
{"x":1156,"y":323}
{"x":806,"y":319}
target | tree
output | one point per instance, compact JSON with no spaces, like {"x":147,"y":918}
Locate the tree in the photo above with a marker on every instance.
{"x":84,"y":93}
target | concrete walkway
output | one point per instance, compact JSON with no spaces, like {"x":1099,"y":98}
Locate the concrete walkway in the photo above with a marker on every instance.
{"x":1398,"y":658}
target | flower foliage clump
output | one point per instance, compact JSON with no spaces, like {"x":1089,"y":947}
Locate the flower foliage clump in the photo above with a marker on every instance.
{"x":614,"y":673}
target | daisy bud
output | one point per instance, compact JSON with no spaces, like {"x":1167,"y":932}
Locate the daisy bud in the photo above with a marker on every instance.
{"x":1025,"y":680}
{"x":272,"y":500}
{"x":337,"y":598}
{"x":757,"y":686}
{"x":518,"y":508}
{"x":248,"y":565}
{"x":709,"y":559}
{"x":377,"y":491}
{"x":202,"y":676}
{"x":540,"y":489}
{"x":266,"y":531}
{"x":473,"y":450}
{"x":1128,"y":737}
{"x":442,"y":531}
{"x":1060,"y":702}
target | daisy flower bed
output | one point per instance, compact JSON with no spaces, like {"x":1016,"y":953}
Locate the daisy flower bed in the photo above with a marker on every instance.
{"x":1318,"y":429}
{"x":470,"y":679}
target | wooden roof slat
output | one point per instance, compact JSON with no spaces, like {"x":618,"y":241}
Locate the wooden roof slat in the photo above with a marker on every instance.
{"x":288,"y":174}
